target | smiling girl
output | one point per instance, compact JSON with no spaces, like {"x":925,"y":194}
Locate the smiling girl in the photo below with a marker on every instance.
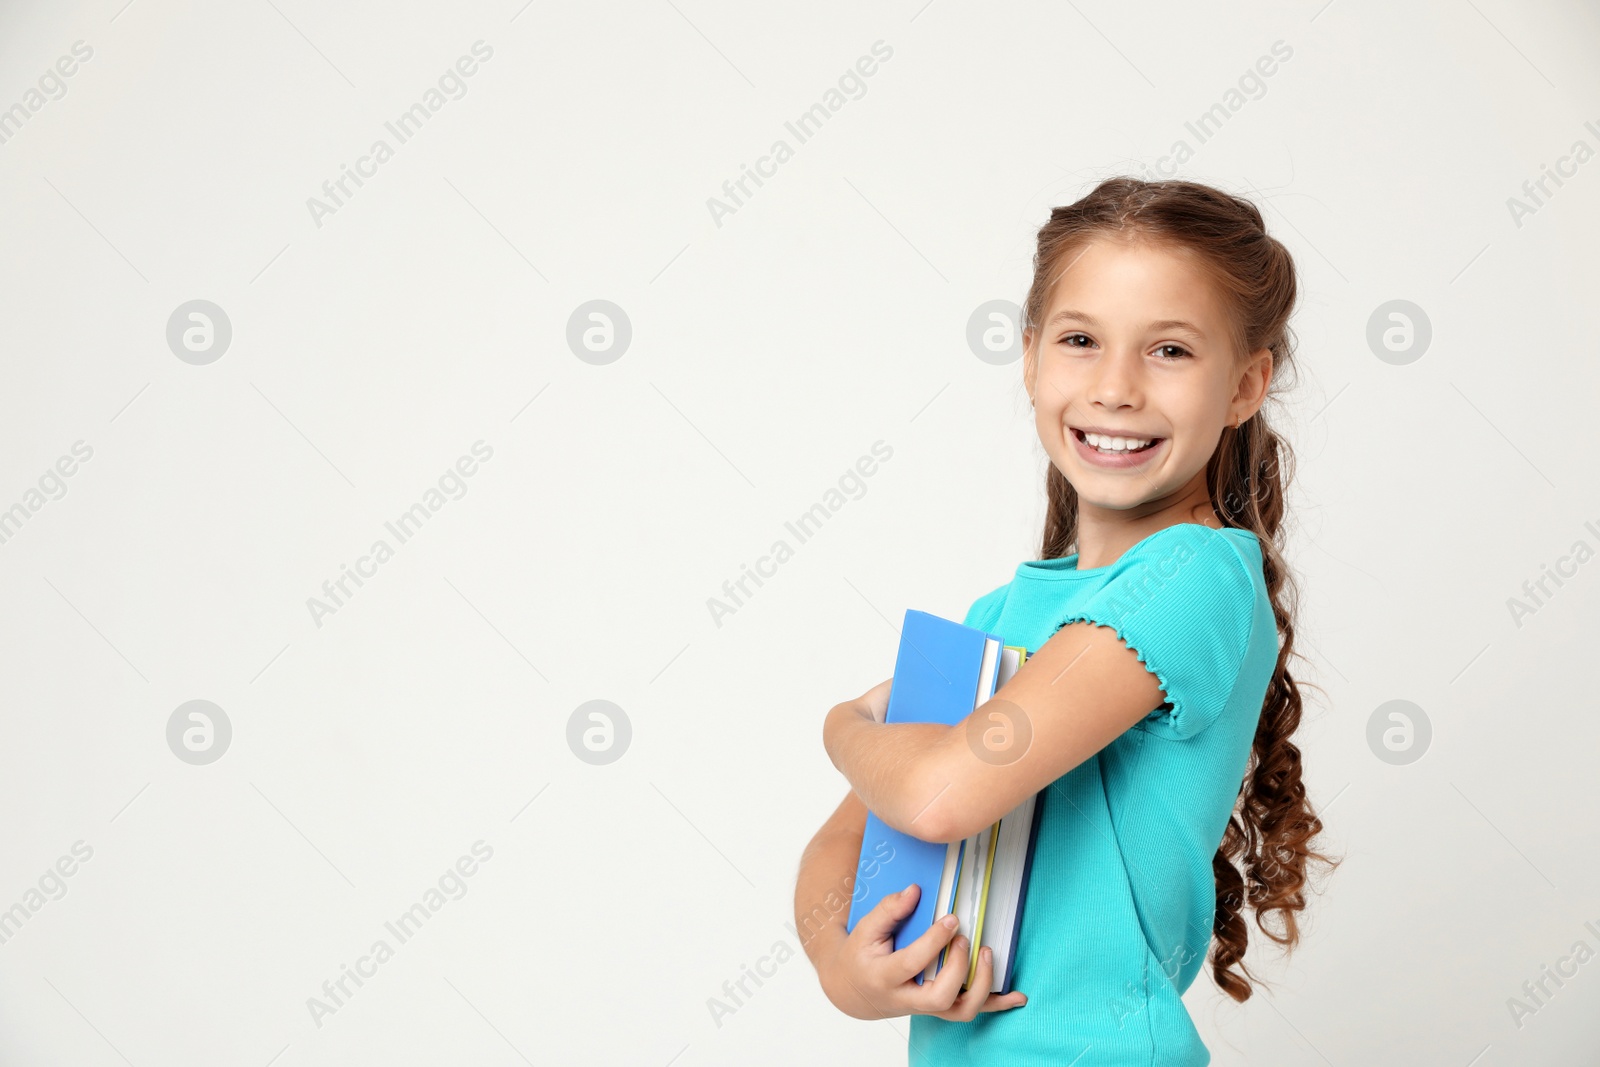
{"x":1155,"y":708}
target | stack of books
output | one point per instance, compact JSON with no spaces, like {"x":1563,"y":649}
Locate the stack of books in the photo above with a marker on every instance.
{"x":943,"y":672}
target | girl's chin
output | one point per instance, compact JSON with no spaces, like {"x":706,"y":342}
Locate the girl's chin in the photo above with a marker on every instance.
{"x":1115,"y":490}
{"x":1111,"y":503}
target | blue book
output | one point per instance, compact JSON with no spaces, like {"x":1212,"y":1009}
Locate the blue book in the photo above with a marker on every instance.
{"x":942,"y":671}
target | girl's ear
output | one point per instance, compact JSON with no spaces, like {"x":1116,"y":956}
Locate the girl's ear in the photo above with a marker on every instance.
{"x":1253,"y":383}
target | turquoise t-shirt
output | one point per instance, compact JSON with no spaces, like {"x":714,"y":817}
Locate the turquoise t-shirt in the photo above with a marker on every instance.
{"x":1117,"y":921}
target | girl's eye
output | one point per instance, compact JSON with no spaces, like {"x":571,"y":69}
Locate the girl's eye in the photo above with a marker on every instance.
{"x":1176,"y":353}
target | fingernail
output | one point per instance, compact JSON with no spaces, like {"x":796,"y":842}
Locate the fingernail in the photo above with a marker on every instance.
{"x":948,"y":922}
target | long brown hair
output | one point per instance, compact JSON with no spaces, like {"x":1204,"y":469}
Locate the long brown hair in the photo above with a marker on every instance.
{"x":1268,"y":841}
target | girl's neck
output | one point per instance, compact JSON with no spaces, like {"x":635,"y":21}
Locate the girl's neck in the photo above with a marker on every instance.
{"x":1104,"y":534}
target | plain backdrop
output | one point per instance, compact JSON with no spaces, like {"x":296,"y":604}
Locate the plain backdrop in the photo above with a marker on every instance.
{"x":375,"y":341}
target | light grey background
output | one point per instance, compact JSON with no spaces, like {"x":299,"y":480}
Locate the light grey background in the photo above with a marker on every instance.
{"x":768,"y":353}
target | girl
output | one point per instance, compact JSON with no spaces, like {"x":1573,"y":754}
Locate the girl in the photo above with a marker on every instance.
{"x":1155,"y":708}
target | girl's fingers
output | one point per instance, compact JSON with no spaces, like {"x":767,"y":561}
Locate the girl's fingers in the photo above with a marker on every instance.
{"x":945,"y":988}
{"x":912,"y":960}
{"x":877,"y":699}
{"x":879,"y":924}
{"x":997,"y":1002}
{"x":967,"y":1005}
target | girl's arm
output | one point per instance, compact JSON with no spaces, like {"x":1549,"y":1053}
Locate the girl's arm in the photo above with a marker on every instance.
{"x":1069,"y":700}
{"x":822,"y":892}
{"x":860,"y":971}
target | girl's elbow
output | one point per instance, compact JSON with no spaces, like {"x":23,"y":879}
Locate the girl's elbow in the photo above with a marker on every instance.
{"x":925,"y":824}
{"x":936,"y":809}
{"x":829,"y":736}
{"x":948,"y":824}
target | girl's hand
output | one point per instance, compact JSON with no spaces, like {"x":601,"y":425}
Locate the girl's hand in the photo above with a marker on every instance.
{"x":876,"y":699}
{"x":866,"y":978}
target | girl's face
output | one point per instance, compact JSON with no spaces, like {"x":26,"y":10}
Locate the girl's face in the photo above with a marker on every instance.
{"x":1133,"y":376}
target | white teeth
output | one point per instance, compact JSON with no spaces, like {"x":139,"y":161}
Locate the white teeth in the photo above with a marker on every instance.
{"x":1116,"y":444}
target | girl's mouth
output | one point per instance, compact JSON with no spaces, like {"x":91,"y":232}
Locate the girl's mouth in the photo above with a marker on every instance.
{"x":1115,"y":453}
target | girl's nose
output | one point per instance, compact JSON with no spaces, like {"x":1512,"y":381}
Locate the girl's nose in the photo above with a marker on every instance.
{"x":1116,"y":382}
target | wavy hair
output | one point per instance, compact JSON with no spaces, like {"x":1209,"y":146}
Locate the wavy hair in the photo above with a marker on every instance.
{"x":1268,"y":842}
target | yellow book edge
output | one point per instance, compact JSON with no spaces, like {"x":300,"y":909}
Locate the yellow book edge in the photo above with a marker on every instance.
{"x":983,"y":902}
{"x":988,"y":869}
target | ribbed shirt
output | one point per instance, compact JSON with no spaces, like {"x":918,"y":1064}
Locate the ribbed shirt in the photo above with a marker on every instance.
{"x":1117,"y":920}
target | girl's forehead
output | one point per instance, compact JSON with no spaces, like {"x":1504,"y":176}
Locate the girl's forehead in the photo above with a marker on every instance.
{"x":1144,"y":282}
{"x":1101,"y":258}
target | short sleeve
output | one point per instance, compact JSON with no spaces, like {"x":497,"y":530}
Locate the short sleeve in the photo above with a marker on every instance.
{"x":1184,"y":601}
{"x":985,"y":611}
